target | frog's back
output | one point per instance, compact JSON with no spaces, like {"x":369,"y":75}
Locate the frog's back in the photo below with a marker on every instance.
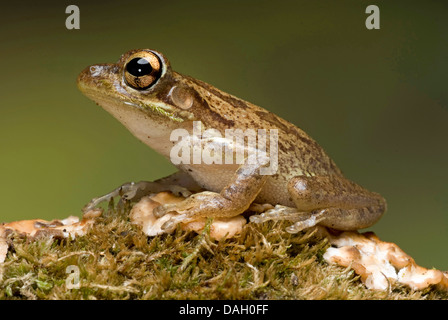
{"x":298,"y":153}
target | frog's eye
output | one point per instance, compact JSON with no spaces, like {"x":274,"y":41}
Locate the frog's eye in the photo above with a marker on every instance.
{"x":142,"y":70}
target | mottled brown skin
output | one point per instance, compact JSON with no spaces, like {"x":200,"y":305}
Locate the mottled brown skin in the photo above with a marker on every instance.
{"x":306,"y":179}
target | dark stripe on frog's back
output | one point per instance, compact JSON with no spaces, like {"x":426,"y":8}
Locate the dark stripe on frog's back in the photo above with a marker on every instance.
{"x":268,"y":120}
{"x":232,"y":100}
{"x":304,"y":147}
{"x":221,"y":102}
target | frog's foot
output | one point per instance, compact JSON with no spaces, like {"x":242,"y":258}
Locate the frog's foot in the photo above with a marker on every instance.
{"x":279,"y":212}
{"x":234,"y":199}
{"x":302,"y":220}
{"x":108,"y":196}
{"x":203,"y":204}
{"x":135,"y":191}
{"x":345,"y":204}
{"x":312,"y":220}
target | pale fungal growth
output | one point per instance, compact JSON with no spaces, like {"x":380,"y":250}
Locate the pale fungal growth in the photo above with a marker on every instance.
{"x":380,"y":263}
{"x":35,"y":228}
{"x":3,"y":245}
{"x":142,"y":214}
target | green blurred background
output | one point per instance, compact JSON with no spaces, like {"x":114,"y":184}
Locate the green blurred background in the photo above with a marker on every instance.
{"x":376,"y":100}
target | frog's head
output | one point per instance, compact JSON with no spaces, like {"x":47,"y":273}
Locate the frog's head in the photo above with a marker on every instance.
{"x":141,"y":91}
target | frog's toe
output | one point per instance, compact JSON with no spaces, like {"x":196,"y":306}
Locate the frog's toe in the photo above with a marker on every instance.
{"x":171,"y":224}
{"x":302,"y":220}
{"x":179,"y":207}
{"x":279,"y":212}
{"x":180,"y":191}
{"x":312,"y":221}
{"x":129,"y":190}
{"x":97,"y":201}
{"x":126,"y":191}
{"x":161,"y":210}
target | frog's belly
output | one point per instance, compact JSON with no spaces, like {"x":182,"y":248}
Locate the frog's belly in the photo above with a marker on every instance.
{"x":216,"y":177}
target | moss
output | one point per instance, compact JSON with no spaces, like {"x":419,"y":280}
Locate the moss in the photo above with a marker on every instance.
{"x":116,"y":260}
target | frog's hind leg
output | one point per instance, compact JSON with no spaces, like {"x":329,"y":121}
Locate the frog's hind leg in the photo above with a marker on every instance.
{"x":178,"y":183}
{"x":332,"y":201}
{"x":340,"y":203}
{"x":235,"y":198}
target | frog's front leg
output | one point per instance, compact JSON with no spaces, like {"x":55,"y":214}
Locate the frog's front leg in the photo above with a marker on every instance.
{"x":178,"y":183}
{"x":233,"y":199}
{"x":331,"y":201}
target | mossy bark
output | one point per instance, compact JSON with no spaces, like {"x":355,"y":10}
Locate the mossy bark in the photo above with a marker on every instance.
{"x":115,"y":260}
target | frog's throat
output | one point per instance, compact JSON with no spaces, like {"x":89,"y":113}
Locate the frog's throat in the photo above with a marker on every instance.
{"x":154,"y":108}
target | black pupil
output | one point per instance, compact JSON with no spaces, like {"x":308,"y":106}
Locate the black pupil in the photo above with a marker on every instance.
{"x":139,"y":67}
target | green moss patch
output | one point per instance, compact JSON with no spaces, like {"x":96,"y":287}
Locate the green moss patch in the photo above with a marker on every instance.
{"x":115,"y":260}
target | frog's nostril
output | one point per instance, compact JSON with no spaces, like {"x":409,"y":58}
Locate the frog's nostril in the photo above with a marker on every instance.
{"x":96,"y":71}
{"x":93,"y":76}
{"x":93,"y":69}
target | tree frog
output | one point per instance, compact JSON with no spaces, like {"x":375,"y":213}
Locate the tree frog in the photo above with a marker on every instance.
{"x":152,"y":101}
